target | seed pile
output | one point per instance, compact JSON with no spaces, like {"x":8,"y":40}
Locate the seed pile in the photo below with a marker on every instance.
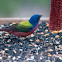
{"x":41,"y":46}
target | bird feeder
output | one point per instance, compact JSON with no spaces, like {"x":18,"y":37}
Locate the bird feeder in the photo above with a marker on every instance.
{"x":55,"y":22}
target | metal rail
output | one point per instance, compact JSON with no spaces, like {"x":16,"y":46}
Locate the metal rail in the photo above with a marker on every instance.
{"x":16,"y":20}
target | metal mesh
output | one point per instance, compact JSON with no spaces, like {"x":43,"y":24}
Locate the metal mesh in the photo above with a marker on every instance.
{"x":55,"y":22}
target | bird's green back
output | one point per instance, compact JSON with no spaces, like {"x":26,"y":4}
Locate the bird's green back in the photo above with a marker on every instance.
{"x":24,"y":26}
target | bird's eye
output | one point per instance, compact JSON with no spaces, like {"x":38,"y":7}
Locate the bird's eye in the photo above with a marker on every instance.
{"x":38,"y":18}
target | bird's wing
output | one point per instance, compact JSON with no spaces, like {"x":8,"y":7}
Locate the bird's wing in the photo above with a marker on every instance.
{"x":12,"y":27}
{"x":24,"y":26}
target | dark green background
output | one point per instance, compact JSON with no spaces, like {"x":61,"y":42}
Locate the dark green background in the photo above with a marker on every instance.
{"x":24,"y":8}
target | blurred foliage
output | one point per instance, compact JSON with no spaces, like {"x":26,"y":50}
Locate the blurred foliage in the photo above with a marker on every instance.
{"x":7,"y":7}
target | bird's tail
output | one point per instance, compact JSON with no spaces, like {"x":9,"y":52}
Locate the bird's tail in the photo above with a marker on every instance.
{"x":3,"y":29}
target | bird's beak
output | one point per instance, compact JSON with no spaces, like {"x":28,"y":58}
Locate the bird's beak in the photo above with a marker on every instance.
{"x":40,"y":16}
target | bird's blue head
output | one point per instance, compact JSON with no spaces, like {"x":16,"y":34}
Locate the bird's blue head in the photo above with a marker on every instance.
{"x":35,"y":19}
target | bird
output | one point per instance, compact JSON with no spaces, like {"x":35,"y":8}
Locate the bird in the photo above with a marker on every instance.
{"x":23,"y":28}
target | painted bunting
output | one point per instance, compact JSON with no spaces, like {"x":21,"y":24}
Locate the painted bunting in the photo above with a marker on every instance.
{"x":23,"y":28}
